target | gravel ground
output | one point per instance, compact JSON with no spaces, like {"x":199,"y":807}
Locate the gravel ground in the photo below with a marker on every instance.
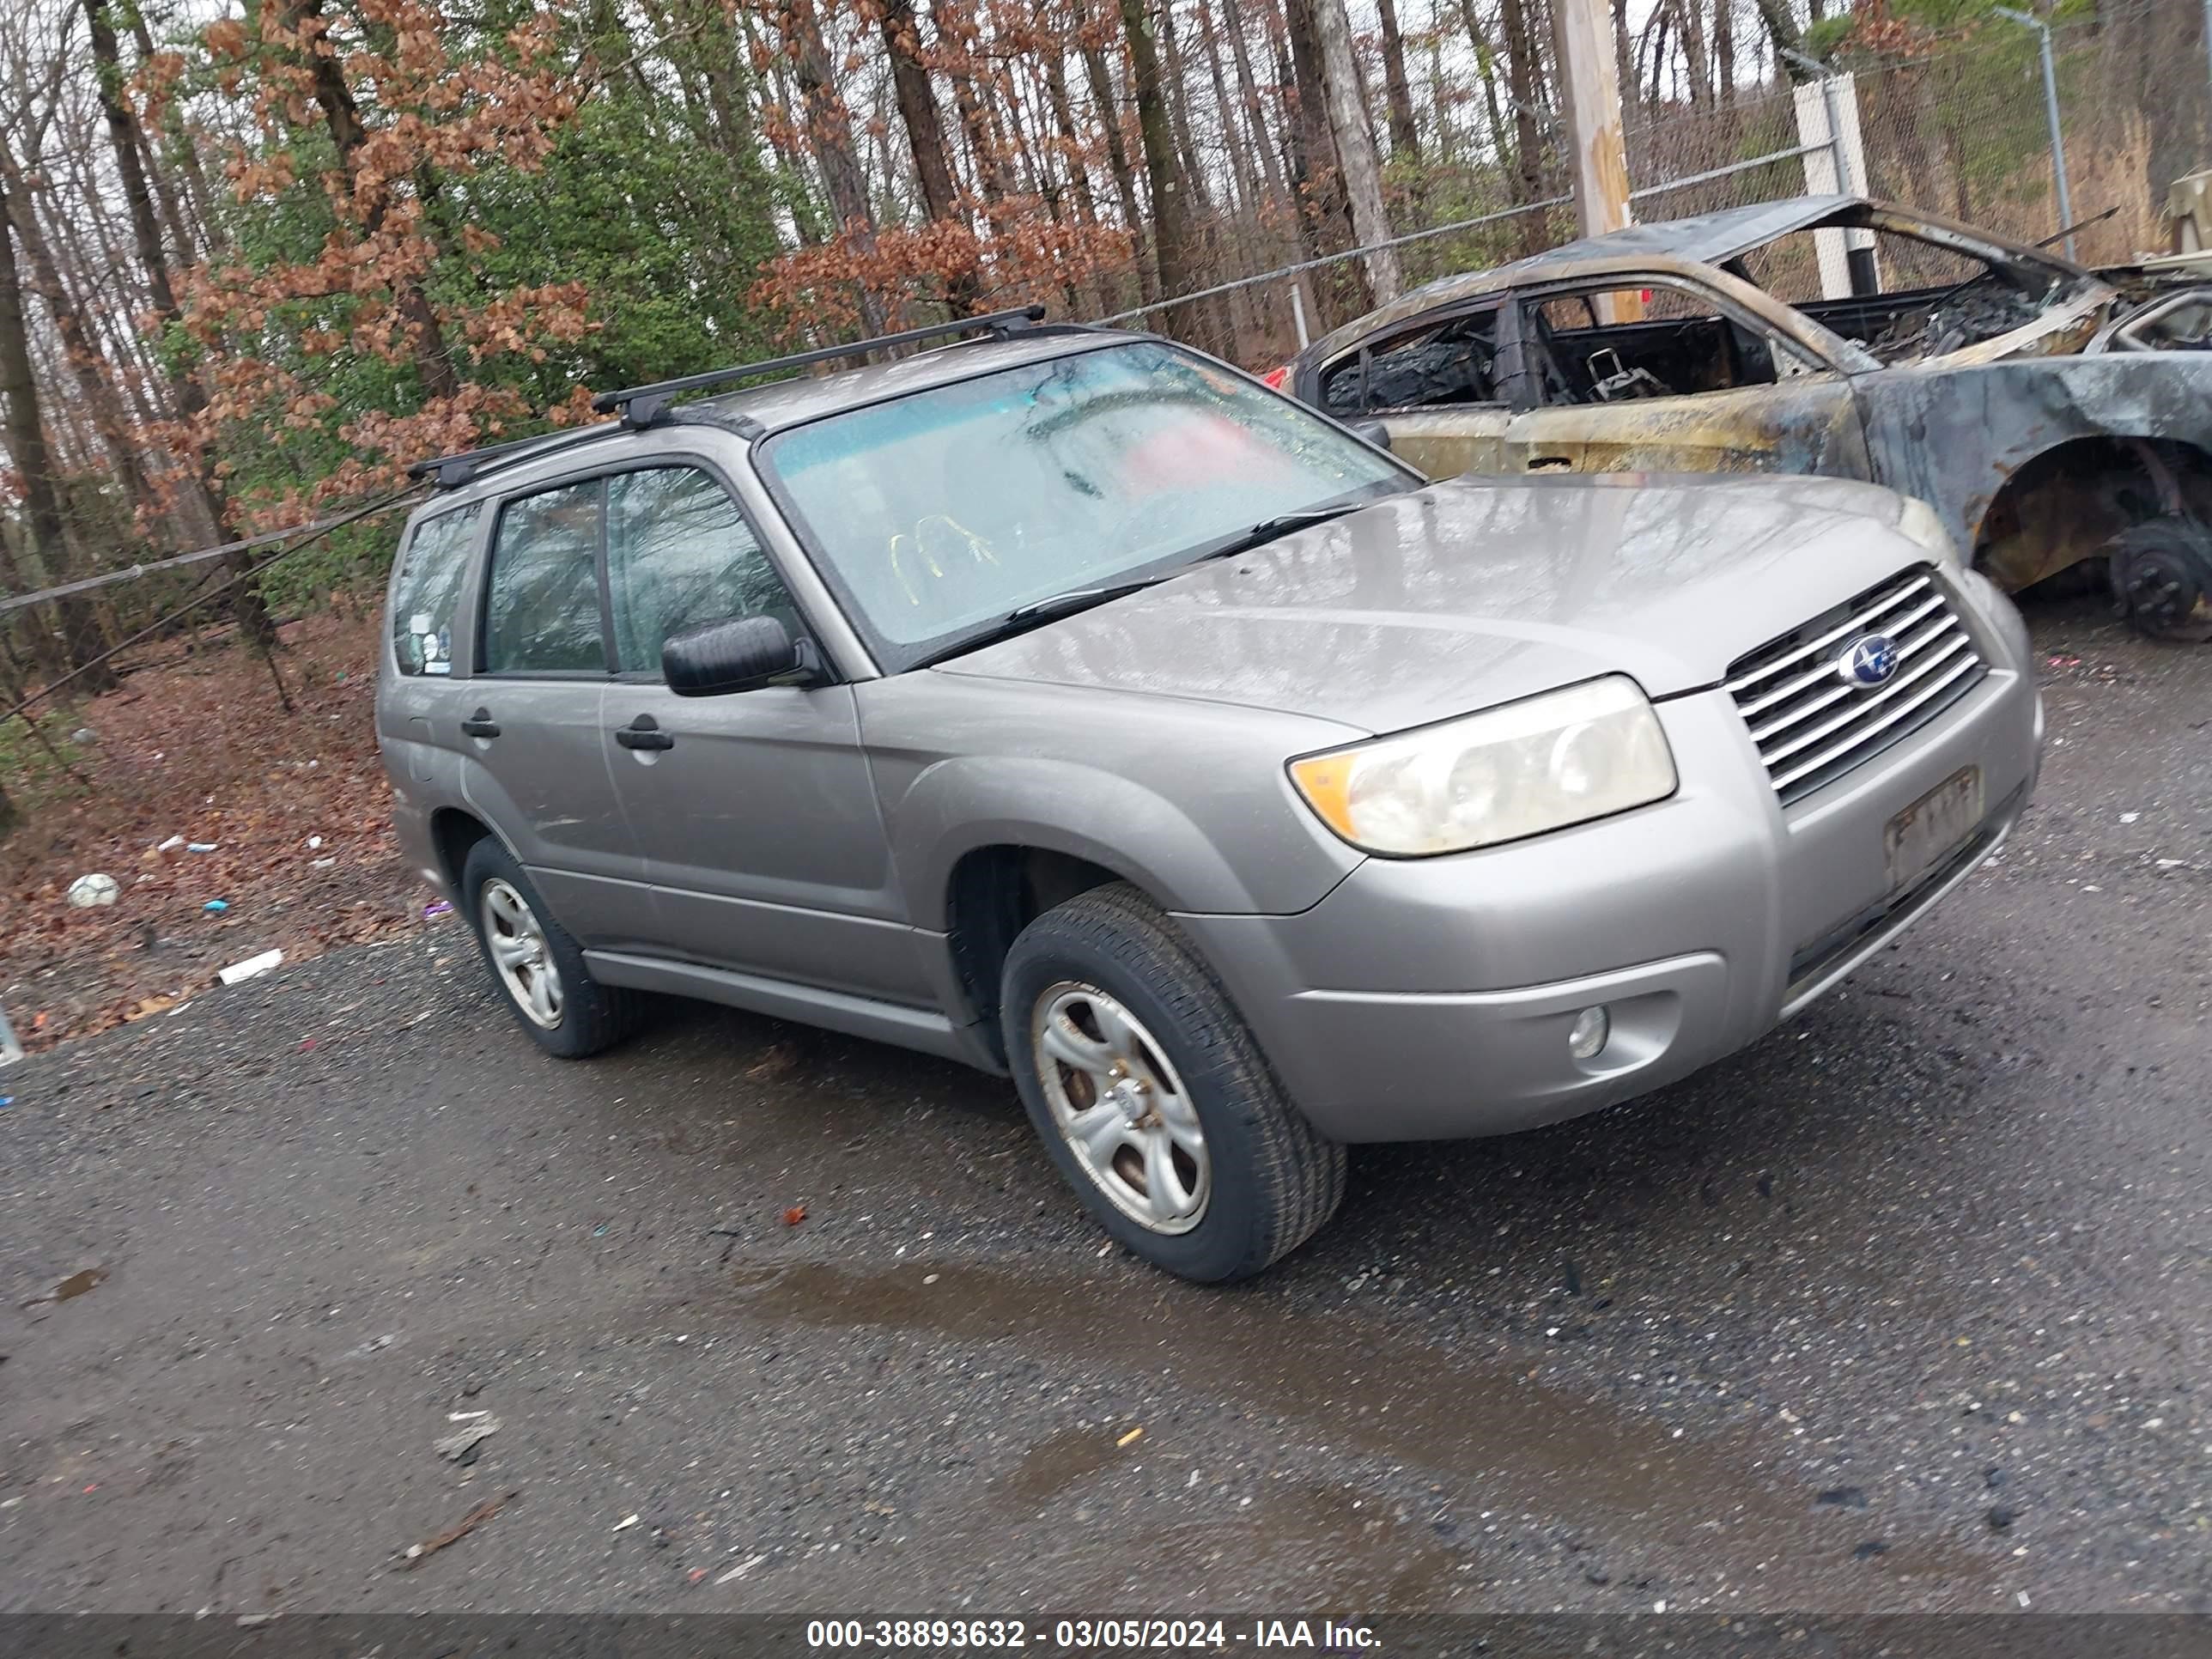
{"x":1906,"y":1308}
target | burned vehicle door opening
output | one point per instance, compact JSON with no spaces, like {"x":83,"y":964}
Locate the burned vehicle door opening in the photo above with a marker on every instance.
{"x":1686,"y":381}
{"x":2057,"y":420}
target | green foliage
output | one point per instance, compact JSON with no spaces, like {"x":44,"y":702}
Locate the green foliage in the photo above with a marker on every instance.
{"x":667,"y":235}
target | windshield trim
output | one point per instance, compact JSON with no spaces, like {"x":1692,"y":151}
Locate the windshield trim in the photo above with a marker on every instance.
{"x":894,"y":657}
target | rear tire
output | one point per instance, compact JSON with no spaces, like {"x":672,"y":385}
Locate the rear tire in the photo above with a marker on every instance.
{"x":1151,"y":1095}
{"x":537,"y":967}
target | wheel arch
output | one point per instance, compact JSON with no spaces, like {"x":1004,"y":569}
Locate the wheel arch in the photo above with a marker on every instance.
{"x":2067,"y":501}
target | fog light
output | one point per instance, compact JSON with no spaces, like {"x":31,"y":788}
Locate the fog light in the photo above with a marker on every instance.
{"x":1593,"y":1027}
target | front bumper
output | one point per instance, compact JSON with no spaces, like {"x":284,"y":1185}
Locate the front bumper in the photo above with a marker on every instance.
{"x":1700,"y":922}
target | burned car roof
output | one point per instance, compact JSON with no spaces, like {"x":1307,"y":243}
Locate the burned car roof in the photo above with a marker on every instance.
{"x":1705,"y":239}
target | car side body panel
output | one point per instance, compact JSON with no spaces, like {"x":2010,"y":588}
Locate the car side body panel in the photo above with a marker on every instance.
{"x":1956,"y":438}
{"x":1808,"y":424}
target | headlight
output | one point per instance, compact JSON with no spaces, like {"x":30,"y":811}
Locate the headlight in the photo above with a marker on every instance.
{"x":1918,"y":525}
{"x":1542,"y":763}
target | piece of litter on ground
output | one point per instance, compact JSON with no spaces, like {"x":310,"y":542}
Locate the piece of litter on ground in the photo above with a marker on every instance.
{"x":322,"y":864}
{"x":625,"y":1523}
{"x":6,"y":1101}
{"x":458,"y":1444}
{"x":1136,"y":1433}
{"x":416,"y":1554}
{"x":199,"y":846}
{"x":926,"y":1279}
{"x":794,"y":1215}
{"x":466,"y":1417}
{"x":314,"y":844}
{"x":252,"y":968}
{"x":741,"y":1569}
{"x":171,"y":845}
{"x":2129,"y":817}
{"x":2171,"y":864}
{"x":88,"y":892}
{"x":215,"y":907}
{"x":436,"y":909}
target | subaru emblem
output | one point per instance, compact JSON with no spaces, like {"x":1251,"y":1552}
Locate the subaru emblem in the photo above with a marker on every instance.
{"x":1868,"y":660}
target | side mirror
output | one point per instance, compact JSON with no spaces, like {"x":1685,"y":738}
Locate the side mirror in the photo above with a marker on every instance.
{"x":1374,"y":431}
{"x":736,"y":655}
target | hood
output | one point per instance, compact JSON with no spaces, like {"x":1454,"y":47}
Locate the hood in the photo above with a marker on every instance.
{"x":1474,"y":592}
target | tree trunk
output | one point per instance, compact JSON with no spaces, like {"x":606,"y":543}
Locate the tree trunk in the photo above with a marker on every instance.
{"x":334,"y":97}
{"x":1520,"y":77}
{"x":78,"y":351}
{"x":1107,"y":113}
{"x":829,"y":134}
{"x":1240,"y":159}
{"x":1341,"y":292}
{"x":1782,"y":29}
{"x":1724,"y":50}
{"x":1071,"y":136}
{"x":1486,"y":61}
{"x":1193,"y":168}
{"x":27,"y":443}
{"x":1249,"y":91}
{"x":1692,"y":28}
{"x":1355,"y":146}
{"x":925,"y":135}
{"x":957,"y":36}
{"x":1405,"y":137}
{"x":1171,"y":198}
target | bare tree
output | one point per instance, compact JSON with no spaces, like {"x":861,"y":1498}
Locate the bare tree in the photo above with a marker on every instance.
{"x":1355,"y":146}
{"x":26,"y":429}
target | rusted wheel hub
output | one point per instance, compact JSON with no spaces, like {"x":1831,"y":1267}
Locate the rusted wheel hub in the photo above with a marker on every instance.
{"x":2162,"y":579}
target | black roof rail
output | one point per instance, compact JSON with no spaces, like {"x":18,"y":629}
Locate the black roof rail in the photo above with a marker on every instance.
{"x":453,"y":472}
{"x":643,"y":405}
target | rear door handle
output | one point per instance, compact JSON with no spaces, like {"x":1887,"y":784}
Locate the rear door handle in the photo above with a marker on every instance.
{"x":644,"y":732}
{"x":1551,"y":462}
{"x":480,"y":724}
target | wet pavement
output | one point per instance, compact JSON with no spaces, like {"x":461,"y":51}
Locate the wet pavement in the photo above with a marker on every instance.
{"x":1908,"y":1306}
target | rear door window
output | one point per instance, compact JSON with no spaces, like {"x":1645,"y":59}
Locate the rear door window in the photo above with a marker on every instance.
{"x":679,"y":555}
{"x":542,"y":611}
{"x":1437,"y":365}
{"x":427,"y":588}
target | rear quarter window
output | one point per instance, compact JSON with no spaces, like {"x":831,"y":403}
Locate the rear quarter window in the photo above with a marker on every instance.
{"x":426,"y":588}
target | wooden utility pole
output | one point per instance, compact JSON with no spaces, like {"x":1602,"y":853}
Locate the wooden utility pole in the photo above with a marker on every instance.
{"x":1591,"y":82}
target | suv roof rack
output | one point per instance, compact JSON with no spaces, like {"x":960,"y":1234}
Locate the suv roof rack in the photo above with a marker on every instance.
{"x":644,"y":405}
{"x":453,"y":472}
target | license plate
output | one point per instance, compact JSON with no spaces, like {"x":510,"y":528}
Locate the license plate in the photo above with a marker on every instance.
{"x":1920,"y":837}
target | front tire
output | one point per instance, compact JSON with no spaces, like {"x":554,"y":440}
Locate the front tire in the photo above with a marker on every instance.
{"x":536,"y":963}
{"x":1151,"y":1095}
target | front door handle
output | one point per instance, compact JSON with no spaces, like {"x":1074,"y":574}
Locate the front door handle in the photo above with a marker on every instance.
{"x":644,"y":732}
{"x":480,"y":724}
{"x":1551,"y":462}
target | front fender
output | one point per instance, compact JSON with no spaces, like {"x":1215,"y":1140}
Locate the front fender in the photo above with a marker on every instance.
{"x":1955,"y":436}
{"x":958,"y":805}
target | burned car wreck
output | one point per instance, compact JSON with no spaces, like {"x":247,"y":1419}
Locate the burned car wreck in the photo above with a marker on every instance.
{"x":2055,"y":418}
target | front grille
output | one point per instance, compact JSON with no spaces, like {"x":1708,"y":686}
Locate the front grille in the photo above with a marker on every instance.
{"x":1811,"y":725}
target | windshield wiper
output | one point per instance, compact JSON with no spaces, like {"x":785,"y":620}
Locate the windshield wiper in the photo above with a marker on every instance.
{"x":1080,"y":599}
{"x":1282,"y":524}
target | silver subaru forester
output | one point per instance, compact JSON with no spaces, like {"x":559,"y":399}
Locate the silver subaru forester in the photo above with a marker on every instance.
{"x":1067,"y":703}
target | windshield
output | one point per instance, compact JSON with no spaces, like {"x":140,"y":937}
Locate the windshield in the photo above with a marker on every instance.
{"x":939,"y":514}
